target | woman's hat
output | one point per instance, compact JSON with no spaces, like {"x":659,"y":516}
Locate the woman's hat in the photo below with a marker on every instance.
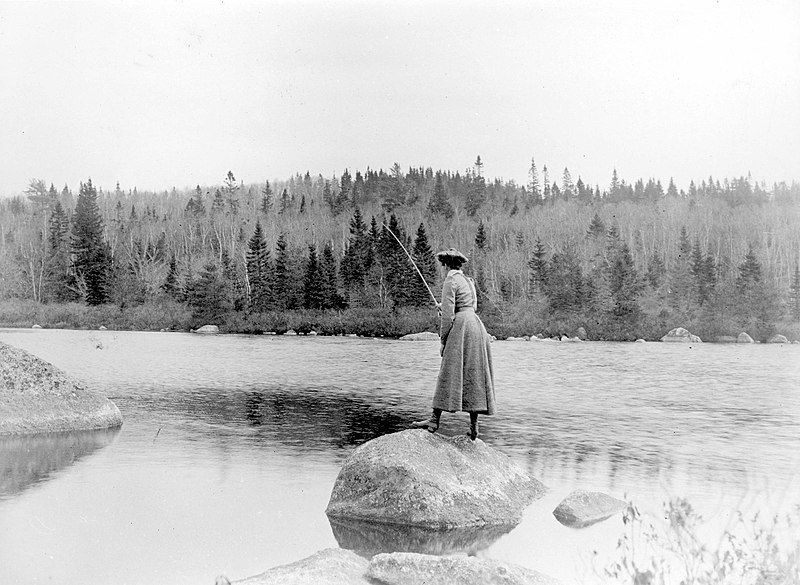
{"x":451,"y":253}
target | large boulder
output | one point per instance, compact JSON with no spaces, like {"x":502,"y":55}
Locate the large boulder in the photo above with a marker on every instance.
{"x":37,"y":397}
{"x":681,"y":335}
{"x":416,"y":478}
{"x":777,"y":338}
{"x":332,"y":566}
{"x":581,"y":508}
{"x":744,"y":338}
{"x":424,"y":336}
{"x":417,"y":569}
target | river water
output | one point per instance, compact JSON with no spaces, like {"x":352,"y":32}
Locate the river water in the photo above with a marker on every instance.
{"x":231,"y":445}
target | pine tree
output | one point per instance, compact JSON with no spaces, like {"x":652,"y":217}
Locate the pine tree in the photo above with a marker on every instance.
{"x":230,"y":193}
{"x":476,"y":194}
{"x":567,"y":187}
{"x":266,"y":198}
{"x":534,"y":192}
{"x":285,"y":202}
{"x":597,"y":228}
{"x":209,"y":296}
{"x":313,"y":296}
{"x":481,"y":241}
{"x":282,"y":290}
{"x":538,"y":268}
{"x":426,"y":262}
{"x":92,"y":261}
{"x":258,"y":271}
{"x":439,"y":204}
{"x":235,"y":286}
{"x":329,"y":272}
{"x":171,"y":286}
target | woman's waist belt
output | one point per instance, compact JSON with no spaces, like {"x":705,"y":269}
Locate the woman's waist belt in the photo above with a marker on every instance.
{"x":462,"y":309}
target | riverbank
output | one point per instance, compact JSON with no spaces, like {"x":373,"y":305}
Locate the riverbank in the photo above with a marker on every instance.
{"x":388,"y":323}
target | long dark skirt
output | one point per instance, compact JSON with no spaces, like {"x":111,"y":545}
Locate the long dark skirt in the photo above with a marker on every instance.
{"x":466,"y":379}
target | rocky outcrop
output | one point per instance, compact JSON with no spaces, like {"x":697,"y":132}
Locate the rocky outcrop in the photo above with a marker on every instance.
{"x":744,"y":338}
{"x":416,"y":478}
{"x":332,"y":566}
{"x":412,"y":568}
{"x":37,"y":397}
{"x":342,"y":567}
{"x":681,"y":335}
{"x":777,"y":338}
{"x":207,"y":329}
{"x":424,"y":336}
{"x":581,"y":508}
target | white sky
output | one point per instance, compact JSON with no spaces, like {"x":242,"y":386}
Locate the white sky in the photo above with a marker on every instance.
{"x":156,"y":96}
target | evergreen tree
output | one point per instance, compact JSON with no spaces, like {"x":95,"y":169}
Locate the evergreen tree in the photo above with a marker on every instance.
{"x":538,"y":268}
{"x":230,"y":193}
{"x":329,"y":273}
{"x":92,"y":260}
{"x":656,"y":269}
{"x":313,"y":295}
{"x":258,"y":271}
{"x":481,"y":241}
{"x":171,"y":286}
{"x":282,"y":288}
{"x":209,"y":296}
{"x":567,"y":186}
{"x":218,"y":204}
{"x":285,"y":202}
{"x":266,"y":198}
{"x":597,"y":228}
{"x":235,"y":285}
{"x":439,"y":204}
{"x":426,"y":262}
{"x":534,"y":192}
{"x":794,"y":295}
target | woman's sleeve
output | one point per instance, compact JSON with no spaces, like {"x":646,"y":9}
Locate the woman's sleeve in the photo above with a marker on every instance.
{"x":448,"y":309}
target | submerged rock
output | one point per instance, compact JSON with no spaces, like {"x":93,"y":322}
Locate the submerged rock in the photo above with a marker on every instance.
{"x":424,"y":336}
{"x":37,"y":397}
{"x":744,"y":338}
{"x":332,"y":566}
{"x":412,"y":568}
{"x":208,"y":329}
{"x":681,"y":335}
{"x":417,"y":478}
{"x":581,"y":508}
{"x":777,"y":338}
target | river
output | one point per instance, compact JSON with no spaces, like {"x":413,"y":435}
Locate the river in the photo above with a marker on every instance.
{"x":231,"y":445}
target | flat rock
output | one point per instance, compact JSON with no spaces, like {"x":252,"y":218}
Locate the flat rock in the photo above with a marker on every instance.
{"x":419,"y":569}
{"x":777,"y":338}
{"x":582,"y":508}
{"x":681,"y":335}
{"x":423,"y":336}
{"x":208,"y":329}
{"x":416,"y":478}
{"x":332,"y":566}
{"x":744,"y":338}
{"x":37,"y":397}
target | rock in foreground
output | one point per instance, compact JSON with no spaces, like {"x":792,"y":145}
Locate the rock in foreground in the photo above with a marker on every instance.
{"x":681,"y":335}
{"x":332,"y":566}
{"x":416,"y":478}
{"x":413,"y":568}
{"x":581,"y":508}
{"x":37,"y":397}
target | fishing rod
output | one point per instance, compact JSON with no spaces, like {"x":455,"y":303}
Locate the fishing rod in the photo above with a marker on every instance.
{"x":414,"y":264}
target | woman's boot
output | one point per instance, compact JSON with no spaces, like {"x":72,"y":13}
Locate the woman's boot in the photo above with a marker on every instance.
{"x":432,"y":424}
{"x":473,"y":425}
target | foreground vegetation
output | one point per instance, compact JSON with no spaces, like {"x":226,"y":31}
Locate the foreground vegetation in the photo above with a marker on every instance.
{"x":672,"y":551}
{"x":326,"y":254}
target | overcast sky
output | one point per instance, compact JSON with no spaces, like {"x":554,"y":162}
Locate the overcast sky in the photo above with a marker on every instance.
{"x":156,"y":96}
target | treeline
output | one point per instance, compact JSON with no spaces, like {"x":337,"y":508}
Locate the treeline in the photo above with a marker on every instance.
{"x":632,"y":260}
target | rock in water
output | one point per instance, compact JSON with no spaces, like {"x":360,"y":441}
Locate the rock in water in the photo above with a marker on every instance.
{"x":37,"y":397}
{"x":208,"y":329}
{"x":411,"y":568}
{"x":778,"y":338}
{"x":581,"y":508}
{"x":744,"y":338}
{"x":417,"y":478}
{"x":424,"y":336}
{"x":681,"y":335}
{"x":332,"y":566}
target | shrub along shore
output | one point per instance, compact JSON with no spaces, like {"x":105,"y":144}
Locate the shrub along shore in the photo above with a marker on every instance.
{"x":175,"y":316}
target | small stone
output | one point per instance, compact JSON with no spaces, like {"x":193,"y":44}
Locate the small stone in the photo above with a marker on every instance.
{"x":291,"y":332}
{"x":582,"y":508}
{"x":208,"y":329}
{"x":423,"y":336}
{"x":681,"y":335}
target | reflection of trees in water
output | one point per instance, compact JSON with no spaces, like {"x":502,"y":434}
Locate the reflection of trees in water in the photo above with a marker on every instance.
{"x":27,"y":460}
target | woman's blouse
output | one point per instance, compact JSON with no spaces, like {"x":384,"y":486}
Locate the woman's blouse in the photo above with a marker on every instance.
{"x":458,"y":293}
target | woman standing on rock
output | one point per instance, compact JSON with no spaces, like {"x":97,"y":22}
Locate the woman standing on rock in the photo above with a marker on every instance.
{"x":466,"y":380}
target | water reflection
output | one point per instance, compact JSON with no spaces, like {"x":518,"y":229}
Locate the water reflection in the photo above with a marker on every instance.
{"x":371,"y":538}
{"x":31,"y":459}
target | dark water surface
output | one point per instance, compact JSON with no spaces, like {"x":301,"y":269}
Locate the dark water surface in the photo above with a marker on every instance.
{"x":231,"y":445}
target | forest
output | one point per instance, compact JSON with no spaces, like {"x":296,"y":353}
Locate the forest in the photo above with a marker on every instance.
{"x":310,"y":253}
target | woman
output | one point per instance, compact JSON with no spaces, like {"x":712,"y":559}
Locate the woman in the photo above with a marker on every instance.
{"x":466,"y":380}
